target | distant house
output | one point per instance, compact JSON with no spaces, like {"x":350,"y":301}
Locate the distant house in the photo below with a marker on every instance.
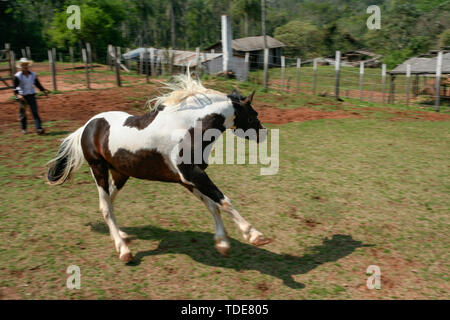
{"x":255,"y":46}
{"x":421,"y":65}
{"x":211,"y":62}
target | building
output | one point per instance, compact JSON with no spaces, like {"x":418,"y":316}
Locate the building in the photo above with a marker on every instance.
{"x":212,"y":63}
{"x":255,"y":46}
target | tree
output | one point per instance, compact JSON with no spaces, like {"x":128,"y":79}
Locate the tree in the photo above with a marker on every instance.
{"x":303,"y":39}
{"x":444,"y":39}
{"x":98,"y":27}
{"x":247,"y":9}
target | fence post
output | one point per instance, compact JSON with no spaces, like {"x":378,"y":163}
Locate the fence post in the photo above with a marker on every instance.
{"x":408,"y":82}
{"x":383,"y":82}
{"x":299,"y":65}
{"x":227,"y":49}
{"x":247,"y":65}
{"x":86,"y":67}
{"x":89,"y":54}
{"x":71,"y":57}
{"x":60,"y":57}
{"x":51,"y":60}
{"x":28,"y":50}
{"x":361,"y":79}
{"x":170,"y":61}
{"x":283,"y":71}
{"x":127,"y":61}
{"x":392,"y":90}
{"x":314,"y":75}
{"x":266,"y":68}
{"x":152,"y":61}
{"x":337,"y":65}
{"x":117,"y":64}
{"x":109,"y":56}
{"x":140,"y":70}
{"x":13,"y":61}
{"x":438,"y":81}
{"x":147,"y":62}
{"x":197,"y":61}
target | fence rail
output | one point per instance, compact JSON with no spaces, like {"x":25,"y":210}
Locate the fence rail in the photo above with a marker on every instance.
{"x":72,"y":69}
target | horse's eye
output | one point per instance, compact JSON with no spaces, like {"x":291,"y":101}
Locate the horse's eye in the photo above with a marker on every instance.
{"x":250,"y":120}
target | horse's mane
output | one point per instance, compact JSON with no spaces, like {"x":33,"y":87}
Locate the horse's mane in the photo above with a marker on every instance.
{"x":180,"y":88}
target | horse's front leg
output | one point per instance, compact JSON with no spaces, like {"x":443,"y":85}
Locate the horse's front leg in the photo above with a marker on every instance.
{"x":199,"y":180}
{"x":220,"y":237}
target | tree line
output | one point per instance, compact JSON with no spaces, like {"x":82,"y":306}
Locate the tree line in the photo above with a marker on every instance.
{"x":310,"y":28}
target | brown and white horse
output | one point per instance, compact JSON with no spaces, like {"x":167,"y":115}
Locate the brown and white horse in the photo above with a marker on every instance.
{"x":118,"y":145}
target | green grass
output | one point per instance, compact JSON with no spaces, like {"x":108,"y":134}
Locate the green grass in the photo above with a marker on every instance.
{"x":349,"y":193}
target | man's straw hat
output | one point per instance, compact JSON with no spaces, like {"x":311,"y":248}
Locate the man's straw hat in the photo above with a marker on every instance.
{"x":24,"y":61}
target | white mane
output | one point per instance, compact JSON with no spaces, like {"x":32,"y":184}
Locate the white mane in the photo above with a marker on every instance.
{"x":180,"y":88}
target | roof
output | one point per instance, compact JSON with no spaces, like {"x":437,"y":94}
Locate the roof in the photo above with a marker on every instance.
{"x":252,"y":43}
{"x":180,"y":57}
{"x":423,"y":65}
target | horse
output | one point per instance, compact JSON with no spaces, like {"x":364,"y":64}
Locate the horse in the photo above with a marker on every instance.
{"x":118,"y":145}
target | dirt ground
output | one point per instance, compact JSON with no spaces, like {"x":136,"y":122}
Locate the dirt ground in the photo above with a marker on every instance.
{"x":82,"y":105}
{"x":79,"y":106}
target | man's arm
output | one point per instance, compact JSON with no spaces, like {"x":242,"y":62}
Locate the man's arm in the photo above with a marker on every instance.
{"x":16,"y":84}
{"x":38,"y":84}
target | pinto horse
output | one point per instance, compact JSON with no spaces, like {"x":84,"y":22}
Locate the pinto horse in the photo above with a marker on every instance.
{"x":118,"y":145}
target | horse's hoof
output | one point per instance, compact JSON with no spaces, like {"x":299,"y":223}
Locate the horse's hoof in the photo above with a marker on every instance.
{"x":223,"y":248}
{"x":261,"y":240}
{"x":126,"y":257}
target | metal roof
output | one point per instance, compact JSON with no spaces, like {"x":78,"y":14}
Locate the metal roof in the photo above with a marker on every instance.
{"x":180,"y":57}
{"x":253,"y":43}
{"x":423,"y":65}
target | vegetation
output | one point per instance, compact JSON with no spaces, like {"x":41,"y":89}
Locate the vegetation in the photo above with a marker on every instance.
{"x":358,"y":192}
{"x":309,"y":27}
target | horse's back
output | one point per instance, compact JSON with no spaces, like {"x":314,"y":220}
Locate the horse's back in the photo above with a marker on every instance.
{"x":129,"y":150}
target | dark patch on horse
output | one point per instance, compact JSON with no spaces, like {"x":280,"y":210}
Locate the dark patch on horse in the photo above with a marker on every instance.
{"x":143,"y":164}
{"x":245,"y":116}
{"x":93,"y":141}
{"x":118,"y":178}
{"x":142,"y":122}
{"x":211,"y":121}
{"x":193,"y":172}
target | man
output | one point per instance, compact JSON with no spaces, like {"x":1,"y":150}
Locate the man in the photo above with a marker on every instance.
{"x":24,"y":82}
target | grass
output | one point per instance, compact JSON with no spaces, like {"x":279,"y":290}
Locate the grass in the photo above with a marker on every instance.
{"x":349,"y":193}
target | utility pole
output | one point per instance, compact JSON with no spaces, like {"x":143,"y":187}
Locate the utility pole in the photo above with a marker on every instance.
{"x":263,"y":28}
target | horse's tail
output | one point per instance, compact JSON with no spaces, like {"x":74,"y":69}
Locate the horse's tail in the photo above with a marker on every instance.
{"x":69,"y":159}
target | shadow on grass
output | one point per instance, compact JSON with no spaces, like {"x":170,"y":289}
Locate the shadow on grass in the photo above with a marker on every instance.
{"x":56,"y":133}
{"x":200,"y":247}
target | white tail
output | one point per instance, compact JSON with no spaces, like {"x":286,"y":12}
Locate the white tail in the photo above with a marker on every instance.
{"x":69,"y":159}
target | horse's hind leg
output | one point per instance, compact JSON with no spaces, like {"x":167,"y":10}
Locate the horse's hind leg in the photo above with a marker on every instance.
{"x":100,"y":172}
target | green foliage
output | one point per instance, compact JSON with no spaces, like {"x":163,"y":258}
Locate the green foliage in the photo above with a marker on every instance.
{"x":99,"y":21}
{"x":444,"y":39}
{"x":309,"y":27}
{"x":303,"y":39}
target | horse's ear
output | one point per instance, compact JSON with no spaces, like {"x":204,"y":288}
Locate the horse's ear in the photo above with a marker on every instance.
{"x":235,"y":93}
{"x":249,"y":99}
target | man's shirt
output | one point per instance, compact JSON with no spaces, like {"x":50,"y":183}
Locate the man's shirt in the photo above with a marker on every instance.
{"x":24,"y":85}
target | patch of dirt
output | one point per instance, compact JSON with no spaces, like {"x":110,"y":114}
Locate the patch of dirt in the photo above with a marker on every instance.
{"x":269,"y":114}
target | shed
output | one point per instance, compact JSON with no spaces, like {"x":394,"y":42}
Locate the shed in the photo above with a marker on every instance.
{"x":211,"y":62}
{"x":255,"y":46}
{"x":421,"y":65}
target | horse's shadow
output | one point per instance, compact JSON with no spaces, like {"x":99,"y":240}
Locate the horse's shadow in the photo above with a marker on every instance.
{"x":199,"y":246}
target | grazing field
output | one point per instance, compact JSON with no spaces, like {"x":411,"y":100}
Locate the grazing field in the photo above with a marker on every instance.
{"x":359,"y":184}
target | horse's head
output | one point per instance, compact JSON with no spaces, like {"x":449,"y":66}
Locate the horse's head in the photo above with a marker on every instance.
{"x":246,"y":122}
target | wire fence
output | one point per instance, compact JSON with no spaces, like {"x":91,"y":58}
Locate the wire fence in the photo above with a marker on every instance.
{"x":70,"y":69}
